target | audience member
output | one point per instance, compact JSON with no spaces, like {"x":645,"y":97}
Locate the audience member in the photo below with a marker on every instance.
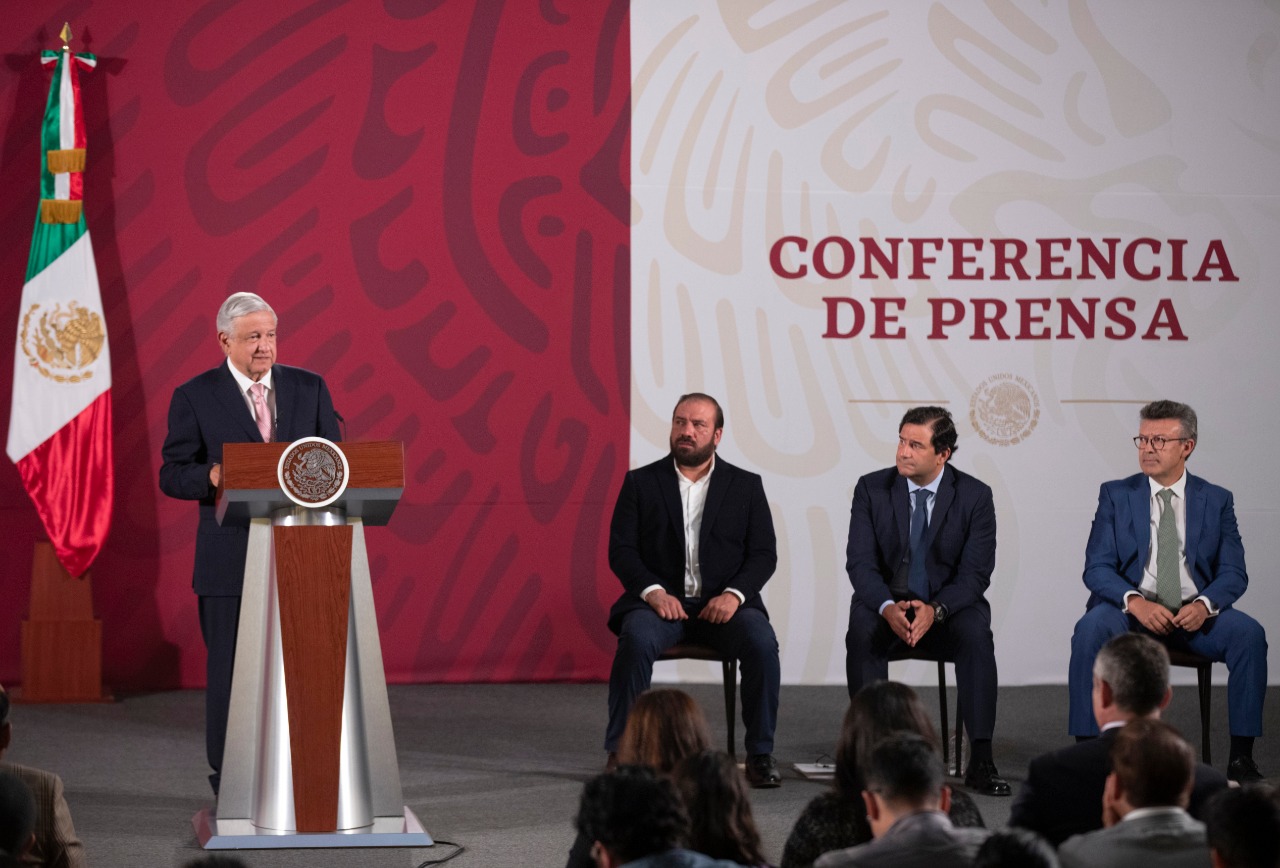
{"x":715,"y":797}
{"x":1243,"y":827}
{"x":1144,"y":806}
{"x":838,"y":818}
{"x":1062,"y":795}
{"x":17,"y":818}
{"x":664,"y":726}
{"x":635,"y":818}
{"x":1015,"y":848}
{"x":907,"y":802}
{"x":56,"y":843}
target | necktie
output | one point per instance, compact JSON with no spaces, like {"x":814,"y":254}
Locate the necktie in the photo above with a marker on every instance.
{"x":917,"y":577}
{"x":261,"y":411}
{"x":1168,"y":581}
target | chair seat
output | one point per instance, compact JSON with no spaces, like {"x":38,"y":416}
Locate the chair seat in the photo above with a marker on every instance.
{"x":729,"y":665}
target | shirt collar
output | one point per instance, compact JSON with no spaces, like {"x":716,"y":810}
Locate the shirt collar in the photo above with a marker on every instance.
{"x":1179,"y":488}
{"x":932,"y":487}
{"x":686,"y":481}
{"x":244,"y":382}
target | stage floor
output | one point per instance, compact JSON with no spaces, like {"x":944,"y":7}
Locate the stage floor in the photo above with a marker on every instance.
{"x":496,"y":768}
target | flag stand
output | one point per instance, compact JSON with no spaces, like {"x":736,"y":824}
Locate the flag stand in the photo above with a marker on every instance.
{"x":61,"y":640}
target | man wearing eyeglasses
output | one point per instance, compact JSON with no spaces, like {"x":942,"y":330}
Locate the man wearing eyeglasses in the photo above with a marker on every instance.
{"x":1165,"y":557}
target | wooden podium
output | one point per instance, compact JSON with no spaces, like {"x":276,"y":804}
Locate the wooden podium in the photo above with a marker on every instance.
{"x":310,"y":755}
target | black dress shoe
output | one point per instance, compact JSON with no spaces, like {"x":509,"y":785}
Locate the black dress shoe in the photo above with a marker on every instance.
{"x":1243,"y":770}
{"x":762,"y":771}
{"x":983,"y":777}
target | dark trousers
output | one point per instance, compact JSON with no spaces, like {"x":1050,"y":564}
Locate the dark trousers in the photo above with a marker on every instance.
{"x":747,"y":636}
{"x":219,"y":622}
{"x":1232,"y":638}
{"x":964,"y":639}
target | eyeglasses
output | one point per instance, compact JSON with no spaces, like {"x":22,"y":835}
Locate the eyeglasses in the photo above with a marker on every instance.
{"x":1157,"y":442}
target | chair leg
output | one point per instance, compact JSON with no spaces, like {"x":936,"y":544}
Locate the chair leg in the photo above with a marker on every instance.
{"x":1204,"y":681}
{"x":959,"y":736}
{"x":730,"y":696}
{"x":942,"y":709}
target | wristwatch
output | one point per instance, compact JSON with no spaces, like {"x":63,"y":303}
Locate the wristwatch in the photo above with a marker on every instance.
{"x":939,"y":612}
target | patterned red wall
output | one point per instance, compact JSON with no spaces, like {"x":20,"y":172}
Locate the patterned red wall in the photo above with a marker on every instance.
{"x":434,"y":197}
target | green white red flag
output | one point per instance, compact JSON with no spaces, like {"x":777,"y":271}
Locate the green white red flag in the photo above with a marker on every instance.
{"x":60,"y":416}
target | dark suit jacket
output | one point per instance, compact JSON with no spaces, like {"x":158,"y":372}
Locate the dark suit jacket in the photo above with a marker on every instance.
{"x":1120,"y":541}
{"x":736,"y":546}
{"x":1063,"y":792}
{"x":961,"y":539}
{"x":210,"y":410}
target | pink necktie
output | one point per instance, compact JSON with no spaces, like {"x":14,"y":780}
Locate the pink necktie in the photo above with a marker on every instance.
{"x":259,"y":393}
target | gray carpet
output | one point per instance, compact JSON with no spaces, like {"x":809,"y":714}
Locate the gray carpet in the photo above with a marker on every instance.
{"x":497,"y":768}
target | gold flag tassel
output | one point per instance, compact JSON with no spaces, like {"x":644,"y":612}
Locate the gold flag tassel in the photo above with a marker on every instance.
{"x":61,"y":210}
{"x":66,"y":161}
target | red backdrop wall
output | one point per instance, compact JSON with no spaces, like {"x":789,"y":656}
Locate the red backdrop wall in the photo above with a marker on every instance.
{"x":434,"y":197}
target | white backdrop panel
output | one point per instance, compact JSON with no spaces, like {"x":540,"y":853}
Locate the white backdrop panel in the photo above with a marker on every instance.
{"x":754,"y":121}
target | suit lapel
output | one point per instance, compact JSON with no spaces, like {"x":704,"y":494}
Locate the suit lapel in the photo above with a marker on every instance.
{"x":717,"y":488}
{"x":1140,"y":515}
{"x":286,"y":403}
{"x":232,"y":400}
{"x":669,"y":487}
{"x":901,"y":502}
{"x":1196,"y":501}
{"x":946,"y":496}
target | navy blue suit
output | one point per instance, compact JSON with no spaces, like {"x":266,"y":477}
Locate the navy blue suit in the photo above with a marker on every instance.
{"x":1115,"y":559}
{"x":206,"y":412}
{"x":961,"y":554}
{"x":736,"y":549}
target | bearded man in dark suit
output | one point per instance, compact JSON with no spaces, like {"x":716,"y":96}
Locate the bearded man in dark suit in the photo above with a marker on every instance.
{"x":692,"y":542}
{"x":248,"y":399}
{"x":922,"y":546}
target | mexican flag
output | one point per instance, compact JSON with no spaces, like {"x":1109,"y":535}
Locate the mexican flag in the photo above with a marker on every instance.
{"x":60,"y":418}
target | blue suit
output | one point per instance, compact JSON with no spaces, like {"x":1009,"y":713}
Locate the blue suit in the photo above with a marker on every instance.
{"x":736,"y":549}
{"x":204,"y":413}
{"x":961,"y":554}
{"x":1115,"y":559}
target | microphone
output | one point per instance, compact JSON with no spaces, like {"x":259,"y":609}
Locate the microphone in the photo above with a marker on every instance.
{"x":341,"y":422}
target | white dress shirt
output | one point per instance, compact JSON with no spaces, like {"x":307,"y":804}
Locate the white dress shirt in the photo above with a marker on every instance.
{"x":693,"y":498}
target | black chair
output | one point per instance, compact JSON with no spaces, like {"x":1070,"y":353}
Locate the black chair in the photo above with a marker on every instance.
{"x":690,"y":651}
{"x":1204,"y":685}
{"x":907,"y":653}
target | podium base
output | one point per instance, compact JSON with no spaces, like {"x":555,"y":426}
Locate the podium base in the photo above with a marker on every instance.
{"x":215,"y":834}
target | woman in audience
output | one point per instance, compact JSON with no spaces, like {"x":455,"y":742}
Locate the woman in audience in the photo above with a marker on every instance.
{"x":664,"y":727}
{"x":715,"y":795}
{"x":838,"y":818}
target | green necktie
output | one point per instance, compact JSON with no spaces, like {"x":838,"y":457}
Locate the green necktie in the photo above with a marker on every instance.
{"x":1168,"y":581}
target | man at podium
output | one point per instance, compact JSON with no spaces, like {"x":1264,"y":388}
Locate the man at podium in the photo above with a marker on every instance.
{"x":248,"y":399}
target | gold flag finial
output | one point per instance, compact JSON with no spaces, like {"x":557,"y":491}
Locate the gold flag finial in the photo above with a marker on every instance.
{"x":66,"y":35}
